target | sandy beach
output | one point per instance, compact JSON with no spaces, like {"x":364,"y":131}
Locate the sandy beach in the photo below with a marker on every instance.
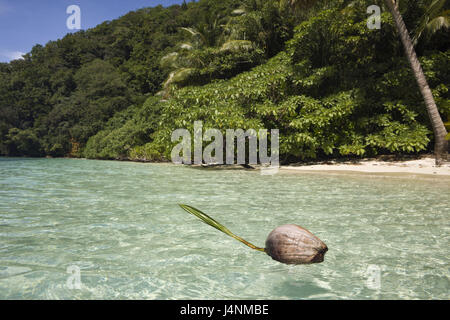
{"x":424,"y":165}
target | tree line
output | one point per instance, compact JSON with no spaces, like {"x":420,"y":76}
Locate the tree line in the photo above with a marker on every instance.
{"x":310,"y":68}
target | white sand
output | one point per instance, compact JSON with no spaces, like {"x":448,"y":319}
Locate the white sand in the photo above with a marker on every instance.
{"x":425,"y":165}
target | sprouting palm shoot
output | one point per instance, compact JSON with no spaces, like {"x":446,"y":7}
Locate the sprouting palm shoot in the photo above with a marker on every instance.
{"x":290,"y":243}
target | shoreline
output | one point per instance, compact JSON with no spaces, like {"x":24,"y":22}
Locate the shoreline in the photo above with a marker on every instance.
{"x":423,"y":166}
{"x":420,"y":165}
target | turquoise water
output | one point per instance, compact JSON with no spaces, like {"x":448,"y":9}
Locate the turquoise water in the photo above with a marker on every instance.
{"x":118,"y":224}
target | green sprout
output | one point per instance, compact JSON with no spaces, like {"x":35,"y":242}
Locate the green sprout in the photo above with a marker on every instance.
{"x":213,"y":223}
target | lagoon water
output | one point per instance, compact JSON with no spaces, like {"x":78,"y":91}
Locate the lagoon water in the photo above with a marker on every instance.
{"x":118,"y":223}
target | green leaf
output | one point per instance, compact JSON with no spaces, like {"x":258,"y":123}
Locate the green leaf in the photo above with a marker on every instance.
{"x":213,"y":223}
{"x":206,"y":219}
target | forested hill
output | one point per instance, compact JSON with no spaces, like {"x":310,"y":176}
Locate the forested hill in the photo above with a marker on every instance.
{"x":64,"y":92}
{"x":332,"y":86}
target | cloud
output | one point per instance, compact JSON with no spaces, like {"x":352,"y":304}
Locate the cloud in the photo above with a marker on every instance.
{"x":11,"y":55}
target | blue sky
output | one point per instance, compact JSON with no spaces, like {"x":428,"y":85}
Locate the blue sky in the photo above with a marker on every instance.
{"x":24,"y":23}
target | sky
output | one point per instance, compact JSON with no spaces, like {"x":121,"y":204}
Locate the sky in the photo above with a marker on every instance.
{"x":24,"y":23}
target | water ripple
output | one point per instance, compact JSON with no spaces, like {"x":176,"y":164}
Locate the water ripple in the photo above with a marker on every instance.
{"x":119,"y":223}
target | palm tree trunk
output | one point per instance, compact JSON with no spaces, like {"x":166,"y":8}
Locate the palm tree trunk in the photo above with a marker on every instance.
{"x":441,"y":144}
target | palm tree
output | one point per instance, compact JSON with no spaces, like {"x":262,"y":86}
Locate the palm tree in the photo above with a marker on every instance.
{"x":434,"y":19}
{"x":448,"y":126}
{"x":184,"y":63}
{"x":181,"y":63}
{"x":299,"y":4}
{"x":440,"y":144}
{"x":234,"y":35}
{"x":440,"y":132}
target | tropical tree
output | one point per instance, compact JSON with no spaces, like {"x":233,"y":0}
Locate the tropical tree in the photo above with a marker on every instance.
{"x":267,"y":24}
{"x":298,"y":4}
{"x":208,"y":52}
{"x":440,"y":132}
{"x":183,"y":61}
{"x":440,"y":144}
{"x":435,"y":18}
{"x":448,"y":126}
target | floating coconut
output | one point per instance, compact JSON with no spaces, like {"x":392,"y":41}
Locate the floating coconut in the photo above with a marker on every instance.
{"x":290,"y":244}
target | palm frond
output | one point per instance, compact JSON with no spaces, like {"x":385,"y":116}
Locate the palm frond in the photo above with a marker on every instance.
{"x":179,"y":76}
{"x":169,"y":60}
{"x":197,"y":35}
{"x":183,"y":74}
{"x":169,"y":80}
{"x":238,"y":12}
{"x":433,"y":20}
{"x":213,"y":223}
{"x":206,"y":219}
{"x":237,"y":45}
{"x":438,"y":23}
{"x":191,"y":31}
{"x":186,"y":46}
{"x":298,"y":4}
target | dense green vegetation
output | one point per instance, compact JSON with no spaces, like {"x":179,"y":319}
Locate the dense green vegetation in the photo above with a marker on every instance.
{"x":64,"y":92}
{"x":332,"y":86}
